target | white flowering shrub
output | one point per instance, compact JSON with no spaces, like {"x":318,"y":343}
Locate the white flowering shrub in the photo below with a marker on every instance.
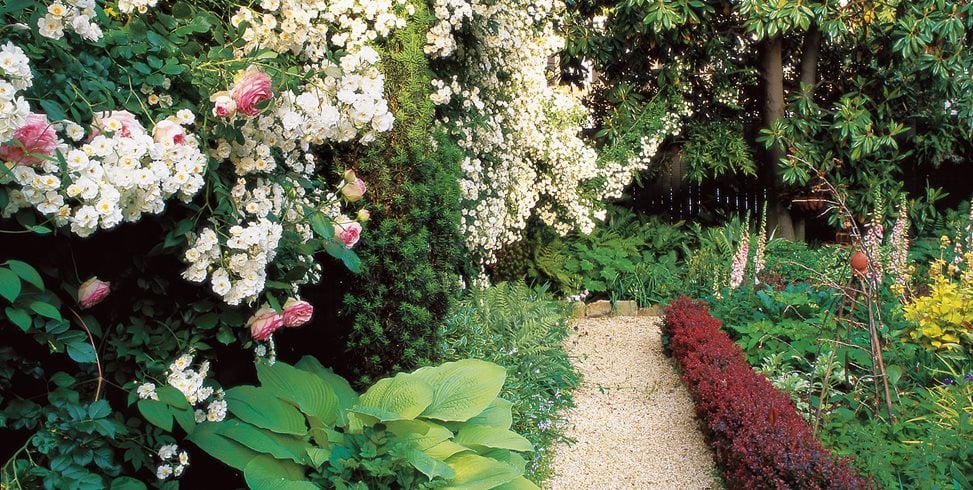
{"x":15,"y":76}
{"x":77,"y":16}
{"x":525,"y":158}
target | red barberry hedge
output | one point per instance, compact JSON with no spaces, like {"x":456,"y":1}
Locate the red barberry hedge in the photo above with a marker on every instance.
{"x":758,"y":438}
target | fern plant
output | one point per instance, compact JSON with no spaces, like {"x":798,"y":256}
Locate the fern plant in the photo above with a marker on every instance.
{"x":522,"y":329}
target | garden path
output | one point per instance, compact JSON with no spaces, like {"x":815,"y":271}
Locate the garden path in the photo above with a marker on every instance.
{"x":634,"y":421}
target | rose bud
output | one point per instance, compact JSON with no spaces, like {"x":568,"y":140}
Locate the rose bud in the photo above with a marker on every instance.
{"x":297,"y":312}
{"x":347,"y":231}
{"x":223,"y":104}
{"x":354,"y":190}
{"x":263,"y":323}
{"x":92,"y":291}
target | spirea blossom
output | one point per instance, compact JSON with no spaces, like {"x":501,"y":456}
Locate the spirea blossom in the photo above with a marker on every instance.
{"x":15,"y":76}
{"x":75,"y":16}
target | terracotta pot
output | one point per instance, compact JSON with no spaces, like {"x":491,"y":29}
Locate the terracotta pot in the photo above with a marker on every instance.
{"x":859,"y":262}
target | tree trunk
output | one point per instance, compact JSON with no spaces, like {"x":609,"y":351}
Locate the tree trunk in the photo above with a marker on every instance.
{"x":809,"y":58}
{"x":772,"y":71}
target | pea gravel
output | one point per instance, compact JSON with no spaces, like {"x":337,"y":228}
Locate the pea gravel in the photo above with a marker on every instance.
{"x":634,"y":422}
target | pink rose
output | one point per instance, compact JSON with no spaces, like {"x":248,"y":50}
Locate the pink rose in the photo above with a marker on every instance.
{"x":297,"y":312}
{"x":263,"y":323}
{"x":167,"y":131}
{"x":252,"y":89}
{"x":223,"y":104}
{"x":121,"y":122}
{"x":354,"y":190}
{"x":347,"y":231}
{"x":36,"y":137}
{"x":92,"y":291}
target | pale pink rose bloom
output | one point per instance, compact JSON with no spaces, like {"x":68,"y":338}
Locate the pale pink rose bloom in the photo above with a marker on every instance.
{"x":297,"y":312}
{"x":263,"y":323}
{"x":92,"y":291}
{"x":35,"y":138}
{"x":130,"y":126}
{"x":167,"y":131}
{"x":354,"y":190}
{"x":252,"y":89}
{"x":223,"y":104}
{"x":347,"y":231}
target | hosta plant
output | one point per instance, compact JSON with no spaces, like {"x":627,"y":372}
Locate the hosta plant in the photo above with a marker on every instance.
{"x":305,"y":427}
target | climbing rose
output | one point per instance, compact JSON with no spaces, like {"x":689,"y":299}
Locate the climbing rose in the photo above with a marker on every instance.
{"x":353,"y":191}
{"x":167,"y":131}
{"x":223,"y":104}
{"x":263,"y":323}
{"x":252,"y":89}
{"x":36,"y":137}
{"x":123,"y":122}
{"x":297,"y":312}
{"x":347,"y":231}
{"x":92,"y":291}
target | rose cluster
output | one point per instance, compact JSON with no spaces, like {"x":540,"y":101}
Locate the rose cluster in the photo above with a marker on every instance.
{"x":266,"y":320}
{"x":191,"y":383}
{"x":174,"y":462}
{"x":316,"y":28}
{"x":15,"y":75}
{"x":74,"y":15}
{"x":119,"y":174}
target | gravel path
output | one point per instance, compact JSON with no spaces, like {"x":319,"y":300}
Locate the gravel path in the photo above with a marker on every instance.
{"x":634,"y":421}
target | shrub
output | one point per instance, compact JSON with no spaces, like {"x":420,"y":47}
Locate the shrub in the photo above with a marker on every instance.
{"x":523,"y":330}
{"x":759,"y":439}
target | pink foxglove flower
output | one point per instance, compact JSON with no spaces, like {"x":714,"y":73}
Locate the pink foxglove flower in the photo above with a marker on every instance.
{"x":740,"y":259}
{"x":35,"y":138}
{"x":263,"y":323}
{"x":252,"y":88}
{"x":297,"y":312}
{"x":223,"y":104}
{"x":92,"y":291}
{"x":347,"y":231}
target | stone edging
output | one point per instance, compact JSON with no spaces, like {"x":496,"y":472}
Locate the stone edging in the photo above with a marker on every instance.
{"x":603,"y":307}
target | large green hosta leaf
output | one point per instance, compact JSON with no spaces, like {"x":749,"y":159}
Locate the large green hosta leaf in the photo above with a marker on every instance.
{"x":222,"y":448}
{"x":462,"y":389}
{"x":262,"y":408}
{"x":309,"y":392}
{"x":347,"y":396}
{"x":475,"y":472}
{"x":479,"y":437}
{"x":498,"y":414}
{"x":267,"y":473}
{"x":403,"y":397}
{"x":519,"y":483}
{"x":420,"y":433}
{"x":277,"y":445}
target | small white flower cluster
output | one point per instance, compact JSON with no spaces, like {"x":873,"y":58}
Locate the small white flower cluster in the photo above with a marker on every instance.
{"x":239,"y":265}
{"x":74,"y":15}
{"x":174,"y":462}
{"x":117,"y":176}
{"x":521,"y":135}
{"x":190,"y":383}
{"x":312,"y":27}
{"x":15,"y":75}
{"x":142,"y":6}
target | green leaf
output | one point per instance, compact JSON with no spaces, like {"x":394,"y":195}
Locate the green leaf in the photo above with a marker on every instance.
{"x":461,"y":389}
{"x":81,"y":351}
{"x":9,"y":285}
{"x":62,"y":379}
{"x":347,"y":396}
{"x":19,"y":317}
{"x":894,"y":373}
{"x":322,"y":226}
{"x":499,"y":414}
{"x":419,"y":433}
{"x":46,"y":310}
{"x":127,"y":483}
{"x":403,"y":397}
{"x":261,"y":408}
{"x":186,"y":418}
{"x":519,"y":483}
{"x":480,"y":436}
{"x":232,"y":453}
{"x":310,"y":393}
{"x":429,"y":466}
{"x":99,"y":409}
{"x":157,"y":413}
{"x":55,"y":111}
{"x":182,"y":10}
{"x":172,"y":397}
{"x":39,"y":229}
{"x":26,"y":272}
{"x":267,"y":473}
{"x":474,"y":472}
{"x":277,"y":445}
